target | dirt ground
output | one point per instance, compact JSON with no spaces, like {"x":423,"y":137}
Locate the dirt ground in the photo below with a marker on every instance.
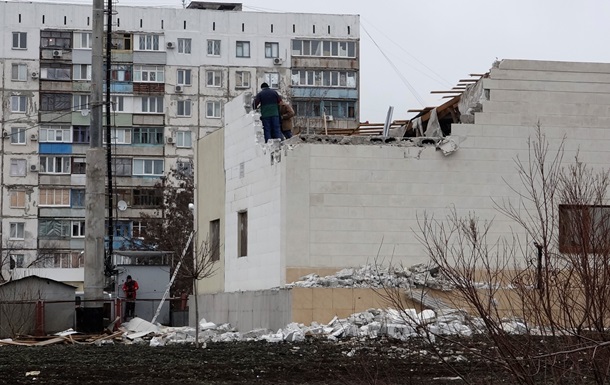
{"x":311,"y":362}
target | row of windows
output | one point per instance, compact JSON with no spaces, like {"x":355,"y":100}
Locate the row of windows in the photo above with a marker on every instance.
{"x":80,"y":134}
{"x":324,"y":78}
{"x":64,"y":260}
{"x":337,"y":109}
{"x":59,"y":164}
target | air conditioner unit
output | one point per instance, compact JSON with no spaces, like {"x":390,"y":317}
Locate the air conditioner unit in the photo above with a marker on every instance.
{"x":57,"y":53}
{"x":170,"y":45}
{"x":33,"y":168}
{"x":277,"y":61}
{"x":170,"y":140}
{"x":329,"y":118}
{"x":34,"y":75}
{"x":179,"y":89}
{"x":34,"y":137}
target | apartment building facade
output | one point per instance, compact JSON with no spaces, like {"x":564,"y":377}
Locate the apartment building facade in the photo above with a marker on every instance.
{"x":172,"y":72}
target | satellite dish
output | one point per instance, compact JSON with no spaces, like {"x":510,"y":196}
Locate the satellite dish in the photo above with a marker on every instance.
{"x":84,"y":112}
{"x":121,"y":205}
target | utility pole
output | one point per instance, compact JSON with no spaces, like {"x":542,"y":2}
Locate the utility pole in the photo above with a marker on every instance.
{"x":91,"y":316}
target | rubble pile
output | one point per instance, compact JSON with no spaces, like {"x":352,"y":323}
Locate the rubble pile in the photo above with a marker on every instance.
{"x":373,"y":276}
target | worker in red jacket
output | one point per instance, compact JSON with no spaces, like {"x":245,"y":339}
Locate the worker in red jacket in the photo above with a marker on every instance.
{"x":130,"y":287}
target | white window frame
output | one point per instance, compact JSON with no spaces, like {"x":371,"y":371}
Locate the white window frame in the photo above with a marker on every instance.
{"x":19,"y":103}
{"x":20,"y":40}
{"x":119,"y":136}
{"x":272,"y":49}
{"x":148,"y":167}
{"x":82,"y":40}
{"x":214,"y":46}
{"x":273,"y":79}
{"x":152,"y":105}
{"x":16,"y":231}
{"x":55,"y":134}
{"x":213,"y":78}
{"x":19,"y":260}
{"x":149,"y":42}
{"x":183,"y":108}
{"x":17,"y":199}
{"x":77,"y":72}
{"x":185,"y":45}
{"x":216,"y":109}
{"x":80,"y":102}
{"x":18,"y":135}
{"x":77,"y":229}
{"x":21,"y":69}
{"x":243,"y":79}
{"x":54,"y":197}
{"x":184,"y":139}
{"x":144,"y":74}
{"x":242,"y":49}
{"x":18,"y":167}
{"x":54,"y":164}
{"x":184,"y":77}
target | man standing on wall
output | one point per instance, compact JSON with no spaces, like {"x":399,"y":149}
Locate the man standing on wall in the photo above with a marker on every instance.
{"x":268,"y":100}
{"x":130,"y":287}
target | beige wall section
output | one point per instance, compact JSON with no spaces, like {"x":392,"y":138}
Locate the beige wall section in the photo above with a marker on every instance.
{"x":210,"y":200}
{"x":294,"y":274}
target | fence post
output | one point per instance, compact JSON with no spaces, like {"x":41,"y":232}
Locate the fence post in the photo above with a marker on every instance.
{"x":117,"y":311}
{"x":39,"y":326}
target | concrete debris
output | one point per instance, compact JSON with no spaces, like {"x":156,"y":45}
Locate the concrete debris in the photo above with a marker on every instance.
{"x":372,"y":276}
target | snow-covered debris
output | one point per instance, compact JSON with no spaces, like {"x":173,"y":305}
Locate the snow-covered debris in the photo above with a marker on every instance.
{"x":373,"y":276}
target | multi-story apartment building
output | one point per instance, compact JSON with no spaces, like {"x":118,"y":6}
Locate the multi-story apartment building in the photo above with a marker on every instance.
{"x":172,"y":71}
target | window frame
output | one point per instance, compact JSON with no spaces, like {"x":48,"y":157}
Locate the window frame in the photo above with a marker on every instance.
{"x":21,"y":70}
{"x":184,"y":77}
{"x":213,"y":78}
{"x":242,"y":234}
{"x":77,"y":229}
{"x":147,"y":104}
{"x":144,"y":73}
{"x":185,"y":45}
{"x":54,"y":197}
{"x":51,"y":134}
{"x":60,"y":164}
{"x":152,"y":42}
{"x":77,"y":72}
{"x":184,"y":108}
{"x":21,"y":41}
{"x":125,"y":137}
{"x":272,"y":49}
{"x":16,"y":231}
{"x":138,"y":170}
{"x":17,"y":164}
{"x":241,"y":46}
{"x":19,"y":104}
{"x":181,"y":141}
{"x":17,"y":199}
{"x":214,"y":47}
{"x":217,"y":108}
{"x":147,"y":135}
{"x":239,"y":79}
{"x":18,"y":135}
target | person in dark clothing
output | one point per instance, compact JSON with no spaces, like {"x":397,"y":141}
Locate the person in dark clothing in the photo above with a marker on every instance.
{"x":268,"y":100}
{"x":130,"y":287}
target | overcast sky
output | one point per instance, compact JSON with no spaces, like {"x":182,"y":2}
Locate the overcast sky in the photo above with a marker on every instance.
{"x":431,"y":44}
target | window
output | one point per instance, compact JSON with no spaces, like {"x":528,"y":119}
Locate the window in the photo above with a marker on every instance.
{"x":147,"y":197}
{"x":212,"y":109}
{"x":149,"y":42}
{"x":242,"y":49}
{"x":148,"y":167}
{"x":17,"y":261}
{"x":55,"y":164}
{"x":55,"y":71}
{"x":324,"y":78}
{"x":78,"y":229}
{"x":79,"y":166}
{"x":17,"y":230}
{"x":213,"y":47}
{"x":82,"y":40}
{"x":119,"y":73}
{"x":184,"y":46}
{"x":81,"y":102}
{"x":273,"y":79}
{"x":119,"y":136}
{"x":584,"y":229}
{"x":18,"y":167}
{"x":324,"y":48}
{"x":18,"y":103}
{"x":55,"y":102}
{"x":81,"y":71}
{"x":139,"y":229}
{"x":19,"y":72}
{"x":121,"y":166}
{"x":272,"y":49}
{"x":184,"y":139}
{"x":55,"y":39}
{"x":17,"y":135}
{"x":80,"y":134}
{"x":242,"y":79}
{"x":214,"y":78}
{"x":20,"y":40}
{"x":152,"y":104}
{"x":77,"y":196}
{"x":121,"y":42}
{"x":63,"y":260}
{"x":53,"y":228}
{"x":184,"y":167}
{"x":184,"y":77}
{"x":148,"y":74}
{"x":55,"y":134}
{"x":17,"y":199}
{"x":242,"y":234}
{"x":54,"y":197}
{"x":336,"y":108}
{"x":117,"y":103}
{"x":147,"y":135}
{"x":184,"y":107}
{"x":215,"y":240}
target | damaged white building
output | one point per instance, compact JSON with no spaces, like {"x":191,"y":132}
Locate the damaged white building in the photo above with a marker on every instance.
{"x":318,"y":204}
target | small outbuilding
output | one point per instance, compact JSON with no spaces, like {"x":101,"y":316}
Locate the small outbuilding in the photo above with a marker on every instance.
{"x":34,"y":301}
